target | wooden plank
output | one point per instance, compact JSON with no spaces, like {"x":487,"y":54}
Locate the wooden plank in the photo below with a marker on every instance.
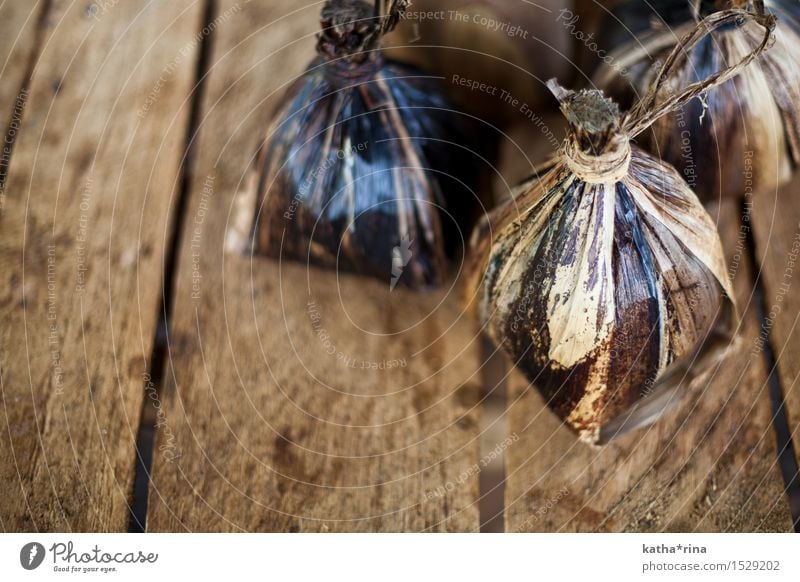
{"x":18,"y":44}
{"x":20,"y":28}
{"x":83,"y":230}
{"x":709,"y":465}
{"x":776,"y":229}
{"x":268,"y":420}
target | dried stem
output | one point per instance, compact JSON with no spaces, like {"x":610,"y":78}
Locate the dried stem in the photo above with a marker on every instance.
{"x":593,"y":117}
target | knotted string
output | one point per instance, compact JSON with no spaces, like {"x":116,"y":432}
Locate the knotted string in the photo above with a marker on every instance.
{"x":346,"y":73}
{"x":646,"y":113}
{"x":609,"y":166}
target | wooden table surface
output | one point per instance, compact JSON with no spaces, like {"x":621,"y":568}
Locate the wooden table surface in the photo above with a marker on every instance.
{"x":152,"y":380}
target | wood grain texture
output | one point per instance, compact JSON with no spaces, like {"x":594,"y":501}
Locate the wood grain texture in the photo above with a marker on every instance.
{"x":709,"y":465}
{"x":83,"y":229}
{"x":20,"y":40}
{"x":19,"y":25}
{"x":776,"y":229}
{"x":277,"y":412}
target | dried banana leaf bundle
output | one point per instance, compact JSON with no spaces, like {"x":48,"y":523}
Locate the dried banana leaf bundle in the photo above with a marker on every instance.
{"x":365,"y":160}
{"x":604,"y":278}
{"x":752,"y":120}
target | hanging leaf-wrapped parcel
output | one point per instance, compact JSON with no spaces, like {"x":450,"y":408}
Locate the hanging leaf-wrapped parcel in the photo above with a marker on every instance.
{"x":604,"y":278}
{"x":352,"y":173}
{"x":611,"y":277}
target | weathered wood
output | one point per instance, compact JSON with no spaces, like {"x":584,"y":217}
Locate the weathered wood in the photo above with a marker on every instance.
{"x":83,"y":230}
{"x":269,"y":422}
{"x":20,"y":33}
{"x":776,"y":230}
{"x":776,"y":226}
{"x":19,"y":25}
{"x":709,"y":465}
{"x":279,"y":411}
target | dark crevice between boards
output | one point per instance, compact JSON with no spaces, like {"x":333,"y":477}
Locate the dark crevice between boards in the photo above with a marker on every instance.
{"x":145,"y":440}
{"x":787,"y":461}
{"x":493,"y":432}
{"x":18,"y":107}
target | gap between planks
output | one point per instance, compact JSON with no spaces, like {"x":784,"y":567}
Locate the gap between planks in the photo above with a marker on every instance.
{"x":489,"y":512}
{"x":145,"y":439}
{"x":82,"y":135}
{"x":264,"y":447}
{"x":708,"y":465}
{"x":773,"y":229}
